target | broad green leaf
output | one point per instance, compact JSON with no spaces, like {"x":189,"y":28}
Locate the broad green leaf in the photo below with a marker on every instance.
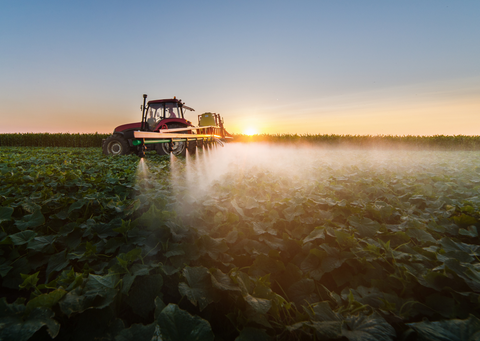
{"x":198,"y":288}
{"x":365,"y":226}
{"x":15,"y":325}
{"x":77,"y":205}
{"x":448,"y":330}
{"x":317,"y":233}
{"x":23,"y":237}
{"x":178,"y":325}
{"x":420,"y":235}
{"x":303,"y":292}
{"x":327,"y":329}
{"x":252,"y":334}
{"x":159,"y":306}
{"x":142,"y":294}
{"x":5,"y":214}
{"x":57,"y":262}
{"x":264,"y":265}
{"x":31,"y":221}
{"x":442,"y":304}
{"x":367,"y":328}
{"x":138,"y":332}
{"x":221,"y":281}
{"x":99,"y":285}
{"x":464,"y":220}
{"x":321,"y":311}
{"x":45,"y":300}
{"x":41,"y":242}
{"x":4,"y":267}
{"x":259,"y":305}
{"x":136,"y":270}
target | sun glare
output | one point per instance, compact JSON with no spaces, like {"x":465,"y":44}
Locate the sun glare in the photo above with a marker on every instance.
{"x":250,"y":131}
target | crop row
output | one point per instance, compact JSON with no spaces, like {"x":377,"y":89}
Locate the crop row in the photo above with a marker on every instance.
{"x":436,"y":142}
{"x":417,"y":142}
{"x":51,"y":140}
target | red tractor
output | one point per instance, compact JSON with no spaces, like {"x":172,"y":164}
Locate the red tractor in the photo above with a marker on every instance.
{"x":166,"y":119}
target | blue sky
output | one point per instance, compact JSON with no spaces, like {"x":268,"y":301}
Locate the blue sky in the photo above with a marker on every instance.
{"x":319,"y":67}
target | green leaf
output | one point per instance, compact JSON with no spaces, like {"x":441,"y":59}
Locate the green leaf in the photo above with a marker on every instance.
{"x":141,"y":296}
{"x":57,"y":262}
{"x":23,"y":237}
{"x":4,"y":267}
{"x":215,"y":248}
{"x":264,"y":265}
{"x":471,"y":231}
{"x":259,"y":305}
{"x":5,"y":214}
{"x":99,"y":285}
{"x":368,"y":328}
{"x":327,"y":329}
{"x":31,"y":221}
{"x":136,"y":270}
{"x":15,"y":326}
{"x":449,"y":330}
{"x":138,"y":332}
{"x":98,"y":293}
{"x":223,"y":281}
{"x":321,"y":311}
{"x":199,"y":289}
{"x":29,"y":281}
{"x":159,"y":306}
{"x":464,"y":220}
{"x":46,"y":300}
{"x":303,"y":292}
{"x":442,"y":304}
{"x":39,"y":243}
{"x":317,"y":233}
{"x":178,"y":325}
{"x":252,"y":334}
{"x":365,"y":227}
{"x":420,"y":235}
{"x":77,"y":205}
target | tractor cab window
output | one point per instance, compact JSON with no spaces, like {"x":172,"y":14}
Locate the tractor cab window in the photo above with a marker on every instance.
{"x":173,"y":111}
{"x":154,"y":117}
{"x":160,"y":111}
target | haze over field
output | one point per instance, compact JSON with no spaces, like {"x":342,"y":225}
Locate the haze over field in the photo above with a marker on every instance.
{"x":319,"y":67}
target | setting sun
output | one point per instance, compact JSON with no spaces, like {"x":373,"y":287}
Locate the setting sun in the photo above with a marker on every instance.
{"x":250,"y":131}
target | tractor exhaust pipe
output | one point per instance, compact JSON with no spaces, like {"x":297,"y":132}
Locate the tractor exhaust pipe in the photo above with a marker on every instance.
{"x":143,"y":111}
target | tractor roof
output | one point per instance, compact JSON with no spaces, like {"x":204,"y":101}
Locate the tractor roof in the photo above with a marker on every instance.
{"x":171,"y":100}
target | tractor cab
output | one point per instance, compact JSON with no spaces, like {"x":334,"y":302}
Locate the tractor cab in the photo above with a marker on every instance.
{"x":157,"y":111}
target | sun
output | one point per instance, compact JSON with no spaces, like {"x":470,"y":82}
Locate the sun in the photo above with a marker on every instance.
{"x":250,"y":131}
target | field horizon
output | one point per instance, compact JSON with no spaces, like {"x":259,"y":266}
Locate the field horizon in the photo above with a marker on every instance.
{"x":429,"y":142}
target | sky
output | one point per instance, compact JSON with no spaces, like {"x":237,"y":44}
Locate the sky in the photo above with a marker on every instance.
{"x":358,"y":67}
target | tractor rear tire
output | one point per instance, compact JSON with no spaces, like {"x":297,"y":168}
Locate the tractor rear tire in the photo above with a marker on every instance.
{"x":179,"y":148}
{"x":115,"y":145}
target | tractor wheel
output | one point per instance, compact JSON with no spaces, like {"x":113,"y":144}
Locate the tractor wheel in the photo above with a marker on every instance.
{"x":178,"y":148}
{"x":116,"y":145}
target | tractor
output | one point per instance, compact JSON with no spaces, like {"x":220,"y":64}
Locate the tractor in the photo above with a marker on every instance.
{"x":165,"y":129}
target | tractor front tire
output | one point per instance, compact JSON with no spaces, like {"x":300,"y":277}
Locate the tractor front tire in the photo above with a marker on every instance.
{"x":116,"y":145}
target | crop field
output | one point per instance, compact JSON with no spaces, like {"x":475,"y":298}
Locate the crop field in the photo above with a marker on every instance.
{"x":246,"y":242}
